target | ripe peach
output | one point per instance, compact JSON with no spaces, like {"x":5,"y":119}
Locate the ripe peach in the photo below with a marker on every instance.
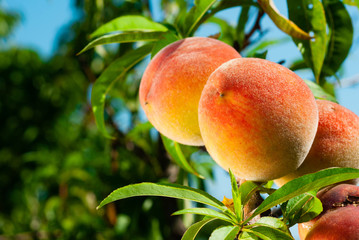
{"x":257,"y":118}
{"x":336,"y":143}
{"x":339,"y":219}
{"x":172,"y":83}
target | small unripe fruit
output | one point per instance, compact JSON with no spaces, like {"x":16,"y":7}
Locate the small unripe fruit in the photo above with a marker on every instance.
{"x":172,"y":83}
{"x":257,"y":118}
{"x":336,"y":143}
{"x":340,"y":217}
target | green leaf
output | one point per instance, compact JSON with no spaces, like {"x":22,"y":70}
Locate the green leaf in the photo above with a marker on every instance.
{"x":269,"y":233}
{"x":129,"y":23}
{"x":165,"y":39}
{"x":248,"y":236}
{"x":163,"y":190}
{"x":122,"y":38}
{"x":194,"y":229}
{"x":309,"y":15}
{"x":241,"y":26}
{"x":303,"y":184}
{"x":225,"y":233}
{"x":319,"y":92}
{"x":273,"y":222}
{"x":225,"y":4}
{"x":341,"y":36}
{"x":246,"y":190}
{"x":263,"y":45}
{"x":301,"y":208}
{"x":195,"y":15}
{"x":205,"y":212}
{"x":281,"y":22}
{"x":116,"y":71}
{"x":237,"y":200}
{"x":226,"y":30}
{"x":352,"y":2}
{"x":175,"y":151}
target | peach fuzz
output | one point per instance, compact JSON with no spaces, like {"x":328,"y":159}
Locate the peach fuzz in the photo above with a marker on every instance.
{"x":336,"y":143}
{"x":257,"y":118}
{"x":172,"y":84}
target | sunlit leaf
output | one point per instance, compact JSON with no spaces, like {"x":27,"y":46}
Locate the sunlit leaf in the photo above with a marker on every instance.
{"x":246,"y":190}
{"x":194,"y":229}
{"x":205,"y":212}
{"x":237,"y":200}
{"x":309,"y":15}
{"x":340,"y":36}
{"x":175,"y":151}
{"x":129,"y":23}
{"x":105,"y":82}
{"x":273,"y":222}
{"x":225,"y":4}
{"x":281,"y":22}
{"x":352,"y":2}
{"x":269,"y":233}
{"x":306,"y":183}
{"x":319,"y":92}
{"x":225,"y":233}
{"x":194,"y":16}
{"x":122,"y":38}
{"x":163,"y":190}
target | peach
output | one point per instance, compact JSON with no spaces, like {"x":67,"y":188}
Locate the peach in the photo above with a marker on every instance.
{"x":172,"y":83}
{"x":257,"y":118}
{"x":336,"y":143}
{"x":339,"y":219}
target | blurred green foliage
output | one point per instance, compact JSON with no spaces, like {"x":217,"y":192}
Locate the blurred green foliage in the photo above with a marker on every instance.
{"x":55,"y":166}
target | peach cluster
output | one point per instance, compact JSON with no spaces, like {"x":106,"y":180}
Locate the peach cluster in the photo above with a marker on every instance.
{"x":255,"y":117}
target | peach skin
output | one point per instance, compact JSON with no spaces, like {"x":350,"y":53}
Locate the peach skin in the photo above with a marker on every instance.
{"x":257,"y":118}
{"x":172,"y":83}
{"x":336,"y":143}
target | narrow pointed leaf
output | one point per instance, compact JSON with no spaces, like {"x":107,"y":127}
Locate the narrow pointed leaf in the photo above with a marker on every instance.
{"x":205,"y":212}
{"x":241,"y":25}
{"x":301,"y":208}
{"x":225,"y":233}
{"x":246,"y":190}
{"x":175,"y":151}
{"x":352,"y":2}
{"x":309,"y":15}
{"x":225,"y":4}
{"x":319,"y":92}
{"x":129,"y":23}
{"x":194,"y":229}
{"x":341,"y":36}
{"x":122,"y":38}
{"x":237,"y":200}
{"x":195,"y":15}
{"x":105,"y":82}
{"x":281,"y":22}
{"x":273,"y":222}
{"x":303,"y":184}
{"x":269,"y":233}
{"x":163,"y":190}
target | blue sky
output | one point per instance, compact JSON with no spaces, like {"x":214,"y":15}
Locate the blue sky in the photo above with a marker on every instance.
{"x":43,"y":19}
